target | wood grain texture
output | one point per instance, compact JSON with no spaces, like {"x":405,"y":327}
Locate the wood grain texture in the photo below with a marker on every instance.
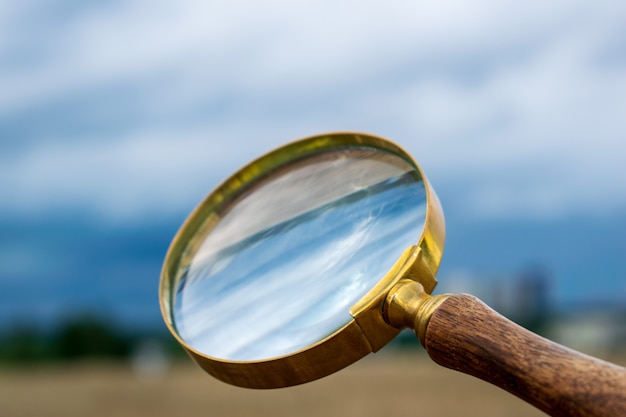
{"x":466,"y":335}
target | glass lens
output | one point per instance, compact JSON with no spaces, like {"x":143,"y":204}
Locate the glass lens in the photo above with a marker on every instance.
{"x":295,"y":251}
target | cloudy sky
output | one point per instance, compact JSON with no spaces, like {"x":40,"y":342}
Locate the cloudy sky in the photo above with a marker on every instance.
{"x":124,"y":107}
{"x":130,"y":112}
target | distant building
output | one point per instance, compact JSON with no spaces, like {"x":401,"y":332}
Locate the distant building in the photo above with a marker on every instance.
{"x":595,"y":331}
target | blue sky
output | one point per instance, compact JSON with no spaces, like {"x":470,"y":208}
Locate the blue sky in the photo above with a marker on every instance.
{"x":123,"y":115}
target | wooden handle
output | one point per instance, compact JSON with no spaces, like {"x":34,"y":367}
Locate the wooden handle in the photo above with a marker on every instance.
{"x":465,"y":334}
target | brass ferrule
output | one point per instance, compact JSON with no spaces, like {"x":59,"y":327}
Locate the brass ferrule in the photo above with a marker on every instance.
{"x":408,"y":305}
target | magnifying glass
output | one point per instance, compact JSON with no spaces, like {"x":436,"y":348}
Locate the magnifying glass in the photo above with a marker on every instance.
{"x":320,"y":252}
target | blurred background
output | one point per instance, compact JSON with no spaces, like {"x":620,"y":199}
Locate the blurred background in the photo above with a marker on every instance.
{"x":117,"y":118}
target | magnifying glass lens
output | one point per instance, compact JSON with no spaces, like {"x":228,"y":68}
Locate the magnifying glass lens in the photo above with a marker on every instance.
{"x":292,"y":251}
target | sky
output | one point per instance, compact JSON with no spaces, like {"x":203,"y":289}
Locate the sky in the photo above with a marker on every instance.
{"x":117,"y":118}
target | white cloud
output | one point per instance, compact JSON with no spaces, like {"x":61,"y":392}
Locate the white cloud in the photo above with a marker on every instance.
{"x":148,"y":174}
{"x":482,"y":93}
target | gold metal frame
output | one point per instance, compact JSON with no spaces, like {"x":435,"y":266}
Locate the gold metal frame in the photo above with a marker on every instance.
{"x":367,"y":332}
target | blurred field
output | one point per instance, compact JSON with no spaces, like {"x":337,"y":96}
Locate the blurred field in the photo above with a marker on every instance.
{"x":383,"y":384}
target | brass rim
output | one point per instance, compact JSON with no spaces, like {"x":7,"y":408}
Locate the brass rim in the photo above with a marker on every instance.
{"x":367,"y":332}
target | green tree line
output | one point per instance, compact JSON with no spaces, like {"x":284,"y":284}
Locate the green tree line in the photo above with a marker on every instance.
{"x":78,"y":338}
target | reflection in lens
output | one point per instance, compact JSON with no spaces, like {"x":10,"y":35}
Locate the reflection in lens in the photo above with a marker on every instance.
{"x":289,"y":257}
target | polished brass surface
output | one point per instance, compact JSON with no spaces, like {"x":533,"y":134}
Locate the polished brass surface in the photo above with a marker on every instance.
{"x":367,"y":312}
{"x":367,"y":332}
{"x":409,"y":305}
